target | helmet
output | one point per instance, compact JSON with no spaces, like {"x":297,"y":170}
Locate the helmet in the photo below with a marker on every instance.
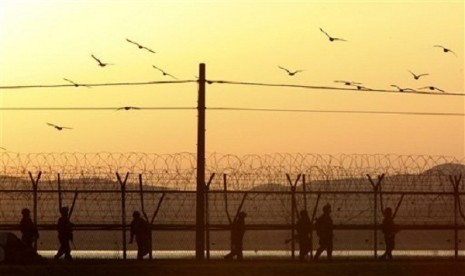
{"x":64,"y":210}
{"x":25,"y":211}
{"x":327,"y":208}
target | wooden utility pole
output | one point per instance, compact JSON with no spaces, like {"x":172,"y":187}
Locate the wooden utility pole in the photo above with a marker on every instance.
{"x":200,"y":203}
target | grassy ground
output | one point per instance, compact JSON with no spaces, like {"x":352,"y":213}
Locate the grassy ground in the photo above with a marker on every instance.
{"x":190,"y":267}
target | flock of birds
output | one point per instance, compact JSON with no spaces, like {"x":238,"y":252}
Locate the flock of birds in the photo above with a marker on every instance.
{"x":289,"y":72}
{"x":359,"y":85}
{"x":105,"y":64}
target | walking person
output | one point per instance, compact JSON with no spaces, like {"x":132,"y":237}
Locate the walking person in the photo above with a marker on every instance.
{"x":237,"y":235}
{"x":324,"y":230}
{"x":29,"y":232}
{"x":65,"y":234}
{"x":389,"y":229}
{"x":141,"y":230}
{"x":303,"y":228}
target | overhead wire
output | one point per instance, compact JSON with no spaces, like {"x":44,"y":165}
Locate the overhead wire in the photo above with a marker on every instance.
{"x":246,"y":109}
{"x":336,"y":111}
{"x":312,"y":87}
{"x":362,"y":89}
{"x":77,"y":85}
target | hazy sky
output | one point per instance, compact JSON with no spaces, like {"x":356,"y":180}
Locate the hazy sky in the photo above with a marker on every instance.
{"x":43,"y":42}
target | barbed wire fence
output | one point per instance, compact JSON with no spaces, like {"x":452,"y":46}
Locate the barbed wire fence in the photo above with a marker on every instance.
{"x":270,"y":188}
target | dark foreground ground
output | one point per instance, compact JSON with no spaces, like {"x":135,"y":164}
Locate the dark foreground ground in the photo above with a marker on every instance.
{"x":274,"y":267}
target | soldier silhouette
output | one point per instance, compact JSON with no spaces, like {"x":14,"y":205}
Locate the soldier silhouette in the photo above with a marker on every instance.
{"x":141,"y":230}
{"x":389,"y":229}
{"x":237,"y":235}
{"x":28,"y":229}
{"x":65,"y":234}
{"x":324,"y":230}
{"x":303,"y":228}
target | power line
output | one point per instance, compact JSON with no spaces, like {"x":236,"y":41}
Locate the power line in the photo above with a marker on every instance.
{"x":132,"y":108}
{"x":362,"y":89}
{"x":314,"y":87}
{"x":336,"y":111}
{"x":96,"y":84}
{"x":135,"y":109}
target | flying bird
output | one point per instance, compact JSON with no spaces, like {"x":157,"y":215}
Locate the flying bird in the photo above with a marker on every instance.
{"x":128,"y":108}
{"x":140,"y":46}
{"x":352,"y":83}
{"x":330,"y":37}
{"x":75,"y":84}
{"x":360,"y":87}
{"x":445,"y":50}
{"x":163,"y":72}
{"x":2,"y":148}
{"x":100,"y":63}
{"x":60,"y":128}
{"x":432,"y":88}
{"x":290,"y":73}
{"x":402,"y":89}
{"x":416,"y":77}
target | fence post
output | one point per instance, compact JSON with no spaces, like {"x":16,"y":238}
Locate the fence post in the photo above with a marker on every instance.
{"x":155,"y":213}
{"x":304,"y":189}
{"x":123,"y":210}
{"x":455,"y":181}
{"x":35,"y":184}
{"x":225,"y":188}
{"x":456,"y":232}
{"x":207,"y":217}
{"x":375,"y":211}
{"x":293,"y":211}
{"x":60,"y":200}
{"x":142,"y":207}
{"x":312,"y":219}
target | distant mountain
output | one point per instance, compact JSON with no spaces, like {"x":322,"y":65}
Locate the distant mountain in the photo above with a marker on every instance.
{"x":446,"y":169}
{"x":271,"y":187}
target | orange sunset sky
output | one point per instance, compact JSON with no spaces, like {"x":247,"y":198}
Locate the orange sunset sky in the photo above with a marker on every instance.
{"x":43,"y":42}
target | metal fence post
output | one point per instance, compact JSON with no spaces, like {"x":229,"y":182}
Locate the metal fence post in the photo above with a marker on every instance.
{"x":123,"y":211}
{"x":293,"y":211}
{"x":207,"y":216}
{"x":375,"y":211}
{"x":35,"y":184}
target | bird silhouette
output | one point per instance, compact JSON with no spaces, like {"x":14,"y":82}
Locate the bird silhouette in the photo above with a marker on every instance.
{"x":128,"y":108}
{"x":2,"y":148}
{"x":360,"y":87}
{"x":351,"y":83}
{"x":445,"y":50}
{"x":163,"y":72}
{"x":402,"y":89}
{"x":100,"y":63}
{"x":75,"y":84}
{"x":432,"y":88}
{"x":140,"y":46}
{"x":59,"y":128}
{"x":290,"y":73}
{"x":330,"y":37}
{"x":416,"y":77}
